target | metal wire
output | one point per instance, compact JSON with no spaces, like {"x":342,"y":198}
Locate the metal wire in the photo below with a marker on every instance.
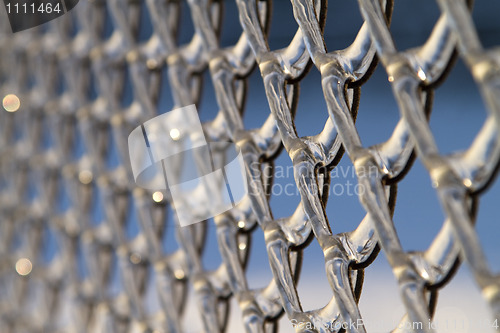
{"x":56,"y":168}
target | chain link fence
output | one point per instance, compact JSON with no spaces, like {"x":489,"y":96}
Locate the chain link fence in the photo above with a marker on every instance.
{"x":66,"y":178}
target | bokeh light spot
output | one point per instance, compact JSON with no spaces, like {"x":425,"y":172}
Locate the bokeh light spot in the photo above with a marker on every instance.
{"x":158,"y":196}
{"x":11,"y":103}
{"x":23,"y":266}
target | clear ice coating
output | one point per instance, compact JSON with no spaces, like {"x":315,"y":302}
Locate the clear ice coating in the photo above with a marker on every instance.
{"x":102,"y":275}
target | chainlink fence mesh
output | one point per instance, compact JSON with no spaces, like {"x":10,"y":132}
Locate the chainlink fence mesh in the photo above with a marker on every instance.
{"x":65,"y":170}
